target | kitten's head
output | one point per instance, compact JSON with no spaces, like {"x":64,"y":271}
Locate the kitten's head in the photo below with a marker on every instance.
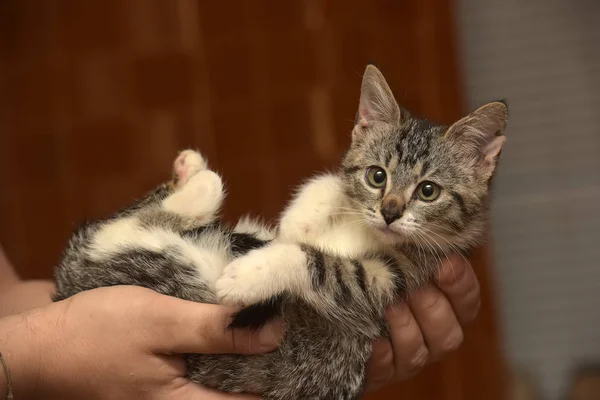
{"x":417,"y":181}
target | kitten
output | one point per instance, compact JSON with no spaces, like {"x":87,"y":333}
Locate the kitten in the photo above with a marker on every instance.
{"x":348,"y":245}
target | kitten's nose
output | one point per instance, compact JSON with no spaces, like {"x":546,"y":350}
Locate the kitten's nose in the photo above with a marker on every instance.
{"x":391,"y":209}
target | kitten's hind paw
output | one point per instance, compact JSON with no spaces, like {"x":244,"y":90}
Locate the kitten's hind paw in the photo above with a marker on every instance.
{"x":201,"y":197}
{"x":186,"y":165}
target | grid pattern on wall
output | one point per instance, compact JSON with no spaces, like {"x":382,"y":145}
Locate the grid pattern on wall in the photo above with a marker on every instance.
{"x":544,"y":57}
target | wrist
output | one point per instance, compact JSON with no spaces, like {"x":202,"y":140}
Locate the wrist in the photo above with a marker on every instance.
{"x":21,"y":345}
{"x":20,"y":296}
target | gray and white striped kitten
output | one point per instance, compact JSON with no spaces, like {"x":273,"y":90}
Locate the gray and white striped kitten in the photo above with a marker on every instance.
{"x":348,"y":245}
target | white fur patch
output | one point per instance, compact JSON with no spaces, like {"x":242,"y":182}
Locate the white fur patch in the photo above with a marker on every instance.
{"x":187,"y":164}
{"x":254,"y":227}
{"x":201,"y":197}
{"x":263,"y":273}
{"x":378,"y":276}
{"x":208,"y":257}
{"x":321,"y":216}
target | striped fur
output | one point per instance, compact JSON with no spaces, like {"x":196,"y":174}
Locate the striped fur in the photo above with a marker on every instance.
{"x":332,"y":266}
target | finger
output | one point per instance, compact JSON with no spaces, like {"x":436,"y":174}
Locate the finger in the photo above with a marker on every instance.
{"x":380,"y":368}
{"x":188,"y":327}
{"x":410,"y":351}
{"x":435,"y":317}
{"x":195,"y":392}
{"x":458,"y":282}
{"x":191,"y":391}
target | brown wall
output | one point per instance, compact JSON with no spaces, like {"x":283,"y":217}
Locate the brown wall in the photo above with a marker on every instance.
{"x":97,"y":97}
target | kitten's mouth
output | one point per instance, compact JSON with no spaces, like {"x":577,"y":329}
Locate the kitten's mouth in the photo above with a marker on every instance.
{"x":395,"y":233}
{"x":391,"y":233}
{"x":400,"y":232}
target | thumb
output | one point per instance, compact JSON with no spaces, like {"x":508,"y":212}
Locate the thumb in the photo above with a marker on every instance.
{"x":189,"y":327}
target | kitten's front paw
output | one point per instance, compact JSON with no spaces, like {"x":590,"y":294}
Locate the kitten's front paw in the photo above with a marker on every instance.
{"x":262,"y":274}
{"x":248,"y":280}
{"x":237,"y":284}
{"x":186,"y":165}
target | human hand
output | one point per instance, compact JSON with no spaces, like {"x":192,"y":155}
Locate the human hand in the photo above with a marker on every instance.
{"x":427,"y":327}
{"x":120,"y":342}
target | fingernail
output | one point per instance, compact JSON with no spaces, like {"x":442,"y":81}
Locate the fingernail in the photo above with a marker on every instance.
{"x":270,"y":335}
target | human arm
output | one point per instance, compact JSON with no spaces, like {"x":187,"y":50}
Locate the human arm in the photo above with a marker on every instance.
{"x":92,"y":346}
{"x":18,"y":295}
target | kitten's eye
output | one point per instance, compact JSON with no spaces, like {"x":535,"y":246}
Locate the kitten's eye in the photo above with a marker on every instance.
{"x":428,"y":191}
{"x":376,"y":177}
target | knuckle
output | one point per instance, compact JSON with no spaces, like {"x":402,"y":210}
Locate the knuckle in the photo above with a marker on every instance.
{"x":467,"y":286}
{"x":430,"y":301}
{"x":453,"y":272}
{"x":240,"y":342}
{"x":399,"y":317}
{"x":386,"y":358}
{"x":381,"y":347}
{"x":244,"y":341}
{"x":464,"y":288}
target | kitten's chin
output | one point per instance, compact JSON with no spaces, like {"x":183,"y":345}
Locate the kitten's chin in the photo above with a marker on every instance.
{"x":388,"y":235}
{"x":396,"y":234}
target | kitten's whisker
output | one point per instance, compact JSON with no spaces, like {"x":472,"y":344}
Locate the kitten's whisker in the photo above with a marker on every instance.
{"x":430,"y":247}
{"x":359,"y":204}
{"x":345,"y":208}
{"x":455,"y":234}
{"x":346,"y":213}
{"x":452,"y":232}
{"x":451,"y":246}
{"x":442,"y":249}
{"x":359,"y":222}
{"x":420,"y":247}
{"x":439,"y":226}
{"x":442,"y":252}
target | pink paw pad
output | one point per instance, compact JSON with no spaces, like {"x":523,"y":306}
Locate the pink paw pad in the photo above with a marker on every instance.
{"x":187,"y":164}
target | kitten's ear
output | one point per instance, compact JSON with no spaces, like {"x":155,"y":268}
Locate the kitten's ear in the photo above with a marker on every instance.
{"x":481,"y":135}
{"x":377,"y":103}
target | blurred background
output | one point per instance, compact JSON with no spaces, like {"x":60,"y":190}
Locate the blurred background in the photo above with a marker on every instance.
{"x":97,"y":98}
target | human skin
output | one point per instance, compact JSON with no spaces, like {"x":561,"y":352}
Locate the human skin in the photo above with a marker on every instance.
{"x":146,"y":338}
{"x":93,"y":346}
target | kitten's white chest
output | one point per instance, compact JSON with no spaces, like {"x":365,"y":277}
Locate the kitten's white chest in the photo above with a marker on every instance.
{"x":346,"y":238}
{"x":321,"y":216}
